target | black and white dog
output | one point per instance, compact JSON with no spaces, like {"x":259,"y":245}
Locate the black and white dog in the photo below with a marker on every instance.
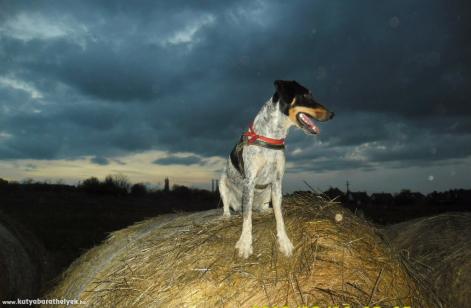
{"x":254,"y":171}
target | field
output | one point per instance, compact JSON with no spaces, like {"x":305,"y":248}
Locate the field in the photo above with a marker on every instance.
{"x":65,"y":221}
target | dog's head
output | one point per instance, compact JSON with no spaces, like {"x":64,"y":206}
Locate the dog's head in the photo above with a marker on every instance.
{"x":297,"y":103}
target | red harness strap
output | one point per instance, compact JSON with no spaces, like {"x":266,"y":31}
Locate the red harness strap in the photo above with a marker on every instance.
{"x":252,"y":137}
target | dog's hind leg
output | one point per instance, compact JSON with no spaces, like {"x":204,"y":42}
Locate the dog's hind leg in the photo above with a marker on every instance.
{"x":286,"y":246}
{"x":224,"y":192}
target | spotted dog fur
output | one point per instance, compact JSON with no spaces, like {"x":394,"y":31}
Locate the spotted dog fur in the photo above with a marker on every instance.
{"x":263,"y":167}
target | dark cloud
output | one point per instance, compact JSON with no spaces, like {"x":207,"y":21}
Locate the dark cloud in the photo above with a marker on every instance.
{"x":324,"y":165}
{"x":423,"y":150}
{"x":110,"y":78}
{"x":177,"y":160}
{"x":99,"y":160}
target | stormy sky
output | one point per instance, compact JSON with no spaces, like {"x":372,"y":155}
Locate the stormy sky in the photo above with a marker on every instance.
{"x":165,"y":88}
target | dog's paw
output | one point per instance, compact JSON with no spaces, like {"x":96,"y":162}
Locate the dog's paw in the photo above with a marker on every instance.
{"x":286,"y":247}
{"x":226,"y":215}
{"x":245,"y":247}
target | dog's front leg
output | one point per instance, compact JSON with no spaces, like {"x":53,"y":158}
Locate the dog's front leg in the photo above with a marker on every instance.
{"x":244,"y":245}
{"x":286,"y":246}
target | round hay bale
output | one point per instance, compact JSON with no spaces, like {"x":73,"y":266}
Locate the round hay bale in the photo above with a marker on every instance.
{"x":438,"y":252}
{"x":189,"y":260}
{"x":23,"y":262}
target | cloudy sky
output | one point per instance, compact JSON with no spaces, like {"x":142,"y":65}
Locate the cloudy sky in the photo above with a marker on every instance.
{"x":165,"y":88}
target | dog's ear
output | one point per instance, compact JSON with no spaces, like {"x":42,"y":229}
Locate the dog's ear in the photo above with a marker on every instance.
{"x":275,"y":97}
{"x":284,"y":90}
{"x":288,"y":90}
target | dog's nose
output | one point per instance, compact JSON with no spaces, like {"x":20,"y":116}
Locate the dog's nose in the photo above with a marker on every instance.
{"x":332,"y":115}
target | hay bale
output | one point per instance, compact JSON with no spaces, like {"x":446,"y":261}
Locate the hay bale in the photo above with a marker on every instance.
{"x":185,"y":260}
{"x":438,"y":253}
{"x":23,"y":262}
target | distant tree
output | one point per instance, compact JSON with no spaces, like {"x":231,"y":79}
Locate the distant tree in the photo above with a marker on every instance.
{"x":112,"y":185}
{"x":408,"y":197}
{"x":4,"y":184}
{"x":382,"y":199}
{"x":93,"y":181}
{"x":138,"y":189}
{"x":27,"y":181}
{"x":117,"y":184}
{"x":181,"y":190}
{"x":91,"y":185}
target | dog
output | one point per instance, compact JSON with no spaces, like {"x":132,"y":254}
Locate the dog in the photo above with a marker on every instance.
{"x":253,"y":174}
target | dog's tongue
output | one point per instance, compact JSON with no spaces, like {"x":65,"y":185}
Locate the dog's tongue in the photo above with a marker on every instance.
{"x":307,"y":120}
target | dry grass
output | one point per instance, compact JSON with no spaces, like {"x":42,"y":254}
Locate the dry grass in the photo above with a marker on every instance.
{"x":189,"y":260}
{"x":437,"y":251}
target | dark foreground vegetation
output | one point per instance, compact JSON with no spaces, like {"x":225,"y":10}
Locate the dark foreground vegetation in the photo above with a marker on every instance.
{"x":68,"y":220}
{"x":386,"y":208}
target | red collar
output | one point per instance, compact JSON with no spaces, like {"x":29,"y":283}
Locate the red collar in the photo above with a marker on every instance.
{"x":252,"y":137}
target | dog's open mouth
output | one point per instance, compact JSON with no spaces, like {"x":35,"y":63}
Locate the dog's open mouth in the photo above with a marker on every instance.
{"x":307,"y":123}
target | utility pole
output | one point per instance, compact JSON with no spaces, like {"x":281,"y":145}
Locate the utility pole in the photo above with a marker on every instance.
{"x":348,"y":187}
